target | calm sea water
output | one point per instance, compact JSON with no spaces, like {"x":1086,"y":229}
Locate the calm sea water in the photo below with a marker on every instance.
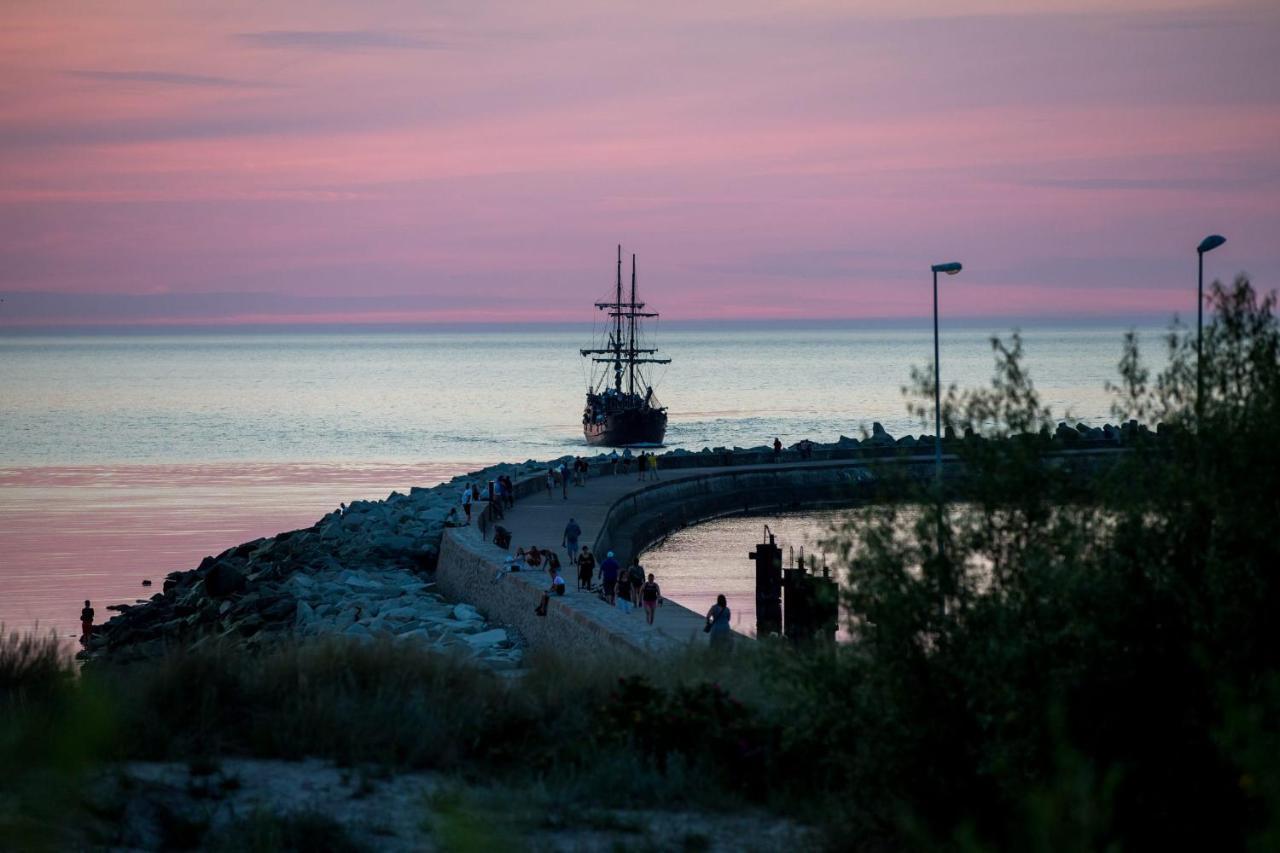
{"x":124,"y":457}
{"x":694,"y":565}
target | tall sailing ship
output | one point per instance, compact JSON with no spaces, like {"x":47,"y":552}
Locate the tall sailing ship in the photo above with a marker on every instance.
{"x":622,"y":409}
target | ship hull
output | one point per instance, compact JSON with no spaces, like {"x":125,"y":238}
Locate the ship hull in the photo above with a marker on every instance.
{"x":626,"y":428}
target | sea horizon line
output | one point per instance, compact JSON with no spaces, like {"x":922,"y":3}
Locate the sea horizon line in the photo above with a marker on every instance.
{"x":1001,"y":322}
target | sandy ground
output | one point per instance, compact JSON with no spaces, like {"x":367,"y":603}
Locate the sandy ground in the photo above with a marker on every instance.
{"x":164,"y":805}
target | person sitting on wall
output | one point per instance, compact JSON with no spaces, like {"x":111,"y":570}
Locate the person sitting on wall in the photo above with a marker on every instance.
{"x":557,"y":587}
{"x":509,"y":565}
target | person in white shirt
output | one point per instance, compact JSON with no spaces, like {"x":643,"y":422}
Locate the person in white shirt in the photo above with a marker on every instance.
{"x":557,"y":587}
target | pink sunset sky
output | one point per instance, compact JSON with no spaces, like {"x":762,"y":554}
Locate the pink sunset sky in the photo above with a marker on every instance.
{"x":401,"y":161}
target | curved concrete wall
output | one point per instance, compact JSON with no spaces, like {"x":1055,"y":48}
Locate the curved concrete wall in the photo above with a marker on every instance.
{"x":648,"y":514}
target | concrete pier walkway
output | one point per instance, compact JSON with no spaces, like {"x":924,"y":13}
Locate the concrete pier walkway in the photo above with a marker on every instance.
{"x":540,"y":519}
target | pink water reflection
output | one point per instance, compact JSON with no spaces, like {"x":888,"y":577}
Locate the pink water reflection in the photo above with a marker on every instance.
{"x":75,"y":532}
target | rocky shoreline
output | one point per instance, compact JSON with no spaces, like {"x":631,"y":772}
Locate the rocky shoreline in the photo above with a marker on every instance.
{"x":364,"y":571}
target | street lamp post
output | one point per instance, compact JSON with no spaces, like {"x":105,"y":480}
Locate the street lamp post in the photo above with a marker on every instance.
{"x":1208,"y":244}
{"x":949,"y":269}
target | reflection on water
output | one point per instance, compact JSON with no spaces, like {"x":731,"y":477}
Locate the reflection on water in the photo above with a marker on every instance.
{"x":698,"y":563}
{"x":96,"y":532}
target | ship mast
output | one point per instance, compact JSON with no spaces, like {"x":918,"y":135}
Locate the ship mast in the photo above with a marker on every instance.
{"x":623,"y":349}
{"x":617,"y":328}
{"x":631,"y":334}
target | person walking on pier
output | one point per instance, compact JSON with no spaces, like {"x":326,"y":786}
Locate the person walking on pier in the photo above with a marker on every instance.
{"x":653,"y":466}
{"x":623,"y":598}
{"x":551,"y":482}
{"x":635,"y":579}
{"x":466,"y":502}
{"x":718,"y":625}
{"x":86,"y":623}
{"x":570,"y":541}
{"x":609,"y":577}
{"x":564,"y":480}
{"x":508,"y":491}
{"x":650,"y":596}
{"x":586,"y":568}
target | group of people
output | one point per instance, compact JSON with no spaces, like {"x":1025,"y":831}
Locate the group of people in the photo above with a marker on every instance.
{"x":558,"y":476}
{"x":624,"y":589}
{"x":500,"y":493}
{"x":647,"y":463}
{"x":627,"y":589}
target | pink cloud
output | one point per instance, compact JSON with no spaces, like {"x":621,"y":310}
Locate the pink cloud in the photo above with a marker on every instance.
{"x":474,"y":164}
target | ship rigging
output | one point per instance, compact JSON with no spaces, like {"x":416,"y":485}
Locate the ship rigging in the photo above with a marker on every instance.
{"x":618,"y":414}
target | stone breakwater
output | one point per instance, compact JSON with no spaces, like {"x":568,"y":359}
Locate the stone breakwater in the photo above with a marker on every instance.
{"x":363,"y":571}
{"x":367,"y":571}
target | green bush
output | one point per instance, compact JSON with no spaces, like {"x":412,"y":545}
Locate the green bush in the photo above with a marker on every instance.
{"x":33,"y":668}
{"x":701,"y":723}
{"x":1056,"y":659}
{"x":50,"y":733}
{"x":382,"y":703}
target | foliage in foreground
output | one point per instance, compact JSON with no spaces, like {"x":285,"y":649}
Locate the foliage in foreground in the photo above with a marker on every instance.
{"x":569,"y":729}
{"x":1042,"y":668}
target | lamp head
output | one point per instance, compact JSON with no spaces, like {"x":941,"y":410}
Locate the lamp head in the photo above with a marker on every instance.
{"x":1208,"y":244}
{"x":950,"y":269}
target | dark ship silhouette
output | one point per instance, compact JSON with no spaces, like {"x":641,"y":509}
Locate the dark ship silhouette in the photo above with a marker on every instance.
{"x":617,"y":413}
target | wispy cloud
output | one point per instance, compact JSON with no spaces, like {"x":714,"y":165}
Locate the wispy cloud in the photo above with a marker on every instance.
{"x":165,"y":78}
{"x":1186,"y":22}
{"x":1174,"y":184}
{"x":339,"y":40}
